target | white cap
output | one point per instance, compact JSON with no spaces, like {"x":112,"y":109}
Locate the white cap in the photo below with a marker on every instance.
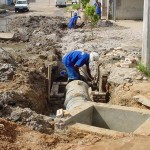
{"x":94,"y":56}
{"x":75,"y":13}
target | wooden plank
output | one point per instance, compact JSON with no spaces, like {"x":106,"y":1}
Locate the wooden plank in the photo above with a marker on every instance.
{"x":49,"y":80}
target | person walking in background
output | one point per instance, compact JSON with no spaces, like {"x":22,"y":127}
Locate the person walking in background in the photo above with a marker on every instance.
{"x":98,"y":8}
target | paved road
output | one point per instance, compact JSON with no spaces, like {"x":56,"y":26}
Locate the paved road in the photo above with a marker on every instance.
{"x":47,"y":7}
{"x":42,"y":7}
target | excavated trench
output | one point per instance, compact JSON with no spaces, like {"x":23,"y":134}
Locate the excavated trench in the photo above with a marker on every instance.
{"x":100,"y":117}
{"x":46,"y":94}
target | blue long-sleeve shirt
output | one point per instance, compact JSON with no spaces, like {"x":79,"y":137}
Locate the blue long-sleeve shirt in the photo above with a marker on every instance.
{"x":98,"y":8}
{"x":77,"y":57}
{"x":72,"y":21}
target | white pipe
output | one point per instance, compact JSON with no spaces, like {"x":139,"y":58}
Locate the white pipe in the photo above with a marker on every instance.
{"x":76,"y":94}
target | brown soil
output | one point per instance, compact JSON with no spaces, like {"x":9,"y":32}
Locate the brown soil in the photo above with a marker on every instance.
{"x":15,"y":137}
{"x":31,"y":84}
{"x":124,"y":96}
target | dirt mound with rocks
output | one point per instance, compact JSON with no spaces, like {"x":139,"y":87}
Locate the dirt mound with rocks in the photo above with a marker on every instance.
{"x":26,"y":27}
{"x":7,"y":65}
{"x":124,"y":96}
{"x":16,"y":137}
{"x":124,"y":79}
{"x":13,"y":136}
{"x":27,"y":117}
{"x":23,"y":71}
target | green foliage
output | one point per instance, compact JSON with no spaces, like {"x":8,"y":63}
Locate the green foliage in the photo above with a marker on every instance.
{"x":143,"y":69}
{"x":67,"y":8}
{"x":76,"y":6}
{"x":84,"y":3}
{"x":90,"y":12}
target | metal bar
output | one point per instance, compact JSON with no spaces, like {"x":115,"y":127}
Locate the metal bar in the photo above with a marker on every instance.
{"x":114,"y":10}
{"x":108,"y":9}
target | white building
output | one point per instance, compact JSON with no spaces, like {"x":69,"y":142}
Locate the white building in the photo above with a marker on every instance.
{"x":6,"y":2}
{"x":2,"y":2}
{"x":122,"y":9}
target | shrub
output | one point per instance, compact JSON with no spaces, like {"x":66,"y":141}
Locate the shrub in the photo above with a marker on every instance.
{"x":90,"y":12}
{"x":76,"y":6}
{"x":84,"y":3}
{"x":143,"y":69}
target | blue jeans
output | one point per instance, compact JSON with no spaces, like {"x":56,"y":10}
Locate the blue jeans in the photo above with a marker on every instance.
{"x":72,"y":73}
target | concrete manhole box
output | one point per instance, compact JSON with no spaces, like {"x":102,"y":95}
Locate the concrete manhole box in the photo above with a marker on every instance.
{"x":117,"y":118}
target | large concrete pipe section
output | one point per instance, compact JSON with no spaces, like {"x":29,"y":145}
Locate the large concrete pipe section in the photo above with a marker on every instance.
{"x":76,"y":94}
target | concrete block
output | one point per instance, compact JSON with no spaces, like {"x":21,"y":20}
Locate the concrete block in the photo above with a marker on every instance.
{"x":125,"y":65}
{"x":142,"y":99}
{"x":6,"y":36}
{"x":59,"y":113}
{"x":139,"y":77}
{"x":118,"y":48}
{"x":145,"y":78}
{"x":122,"y":119}
{"x":66,"y":113}
{"x":54,"y":90}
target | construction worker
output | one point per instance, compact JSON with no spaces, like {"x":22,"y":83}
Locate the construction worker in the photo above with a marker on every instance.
{"x":73,"y":22}
{"x":98,"y":8}
{"x":76,"y":59}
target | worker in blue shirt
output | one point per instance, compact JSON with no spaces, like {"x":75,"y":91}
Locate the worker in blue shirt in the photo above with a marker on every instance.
{"x":98,"y":8}
{"x":73,"y":21}
{"x":76,"y":59}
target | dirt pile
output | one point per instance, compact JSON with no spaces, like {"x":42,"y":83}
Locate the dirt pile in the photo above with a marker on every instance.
{"x":7,"y":65}
{"x":18,"y":137}
{"x":27,"y":89}
{"x":7,"y":135}
{"x":24,"y":70}
{"x":25,"y":116}
{"x":124,"y":80}
{"x":26,"y":27}
{"x":105,"y":23}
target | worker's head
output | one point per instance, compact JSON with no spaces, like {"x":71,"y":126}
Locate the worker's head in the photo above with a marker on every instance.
{"x":94,"y":56}
{"x":75,"y":14}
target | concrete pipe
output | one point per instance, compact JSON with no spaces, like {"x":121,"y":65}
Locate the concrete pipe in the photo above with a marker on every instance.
{"x":76,"y":94}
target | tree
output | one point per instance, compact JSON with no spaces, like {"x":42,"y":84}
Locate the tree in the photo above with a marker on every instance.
{"x":84,"y":3}
{"x":93,"y":17}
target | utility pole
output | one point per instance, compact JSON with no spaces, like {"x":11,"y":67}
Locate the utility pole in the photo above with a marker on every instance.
{"x":108,"y":5}
{"x":146,"y":35}
{"x":114,"y":10}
